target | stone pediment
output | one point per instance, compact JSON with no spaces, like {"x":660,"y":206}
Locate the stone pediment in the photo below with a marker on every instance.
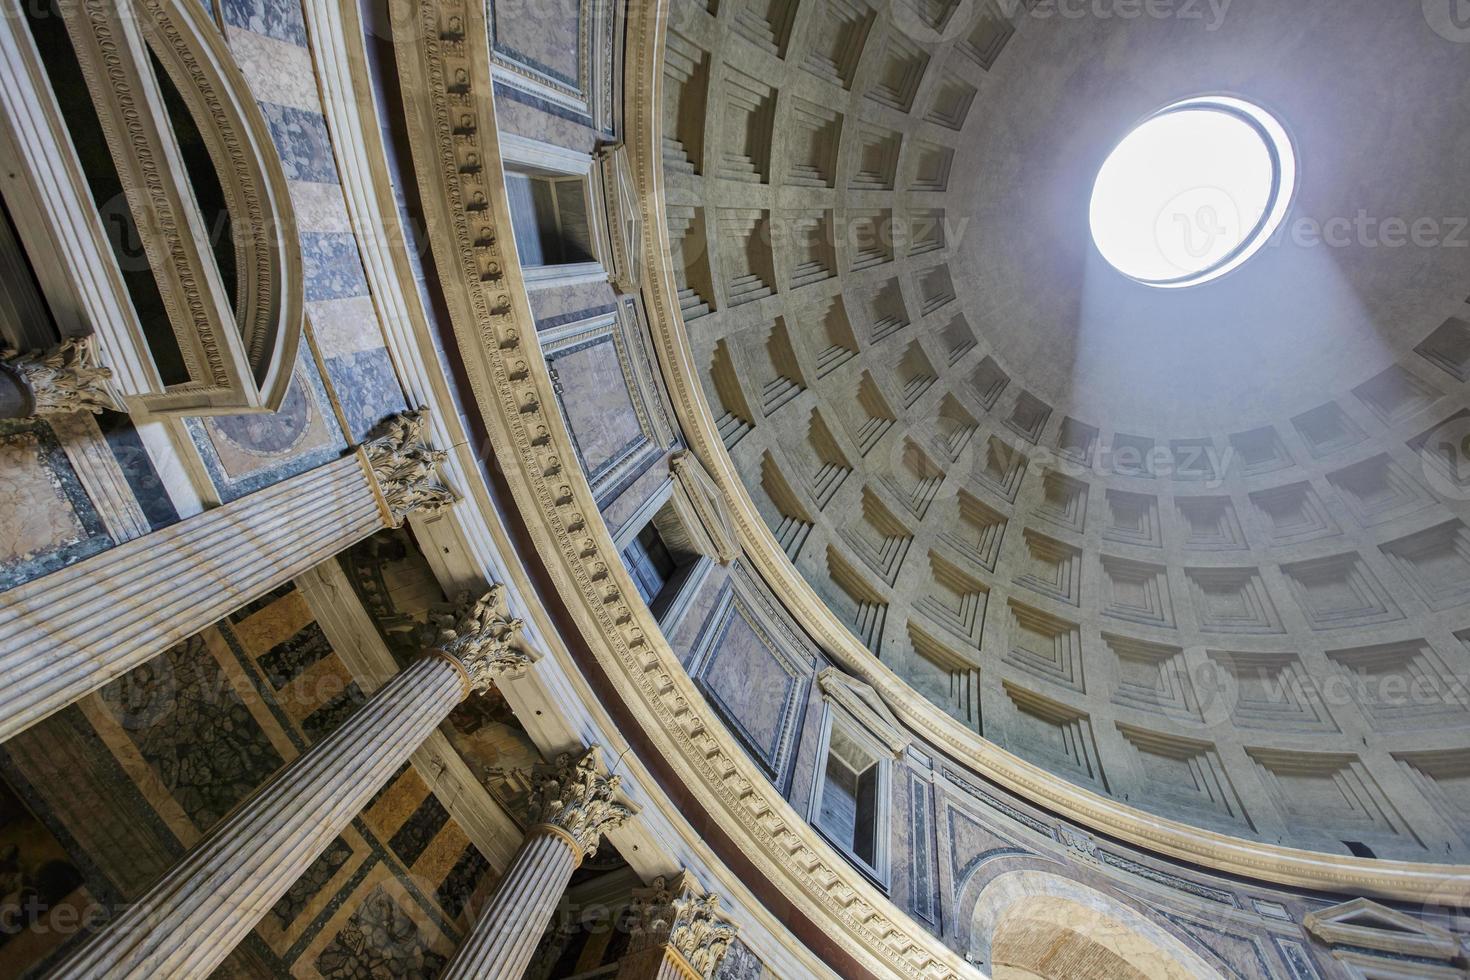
{"x":1366,"y":924}
{"x":866,"y":708}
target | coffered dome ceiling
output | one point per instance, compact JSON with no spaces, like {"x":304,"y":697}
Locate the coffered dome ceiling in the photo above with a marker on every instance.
{"x":1376,"y":105}
{"x":1202,"y":535}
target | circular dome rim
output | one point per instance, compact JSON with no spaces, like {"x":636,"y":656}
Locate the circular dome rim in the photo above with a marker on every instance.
{"x":1281,"y":196}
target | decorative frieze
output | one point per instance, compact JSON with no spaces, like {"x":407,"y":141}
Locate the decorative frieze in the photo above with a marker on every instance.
{"x":493,"y":322}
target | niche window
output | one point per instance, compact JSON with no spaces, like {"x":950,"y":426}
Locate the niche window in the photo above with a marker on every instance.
{"x":555,"y":212}
{"x":661,"y":558}
{"x":650,"y":563}
{"x":861,"y":740}
{"x":847,"y":808}
{"x":550,"y":220}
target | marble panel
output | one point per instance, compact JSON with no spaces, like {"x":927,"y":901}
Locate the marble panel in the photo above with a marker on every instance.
{"x":366,"y":387}
{"x":48,"y":520}
{"x":545,"y":36}
{"x":331,"y":265}
{"x":593,"y":391}
{"x":280,"y":19}
{"x":277,"y":71}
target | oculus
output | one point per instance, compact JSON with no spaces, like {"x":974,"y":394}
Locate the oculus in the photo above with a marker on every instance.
{"x":1193,"y":191}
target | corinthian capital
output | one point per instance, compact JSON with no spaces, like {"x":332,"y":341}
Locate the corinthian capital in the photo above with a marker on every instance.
{"x":480,"y":635}
{"x":406,"y":466}
{"x":59,"y":381}
{"x":677,"y":913}
{"x":572,"y":796}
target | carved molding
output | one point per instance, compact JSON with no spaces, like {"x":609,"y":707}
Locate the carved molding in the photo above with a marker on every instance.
{"x":480,"y":635}
{"x":625,"y":220}
{"x":866,"y":708}
{"x":406,"y":468}
{"x":452,"y":130}
{"x":571,"y":795}
{"x":63,"y":380}
{"x":1366,"y":925}
{"x":676,"y":912}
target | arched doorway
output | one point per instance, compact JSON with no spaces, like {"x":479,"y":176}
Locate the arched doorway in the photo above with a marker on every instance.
{"x":1031,"y":925}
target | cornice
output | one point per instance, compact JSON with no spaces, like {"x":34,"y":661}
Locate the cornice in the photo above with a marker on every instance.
{"x":443,"y":61}
{"x":1403,"y":880}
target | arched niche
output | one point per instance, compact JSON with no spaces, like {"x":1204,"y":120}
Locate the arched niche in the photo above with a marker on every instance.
{"x":1032,"y":925}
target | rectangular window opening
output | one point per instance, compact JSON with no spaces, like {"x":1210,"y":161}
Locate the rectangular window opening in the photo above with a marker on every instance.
{"x":848,"y":811}
{"x":660,"y":558}
{"x":550,"y":220}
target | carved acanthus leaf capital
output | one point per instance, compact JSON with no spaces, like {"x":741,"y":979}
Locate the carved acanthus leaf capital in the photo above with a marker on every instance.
{"x":407,"y":467}
{"x":573,"y":796}
{"x":63,"y":379}
{"x":480,"y":635}
{"x":678,"y":914}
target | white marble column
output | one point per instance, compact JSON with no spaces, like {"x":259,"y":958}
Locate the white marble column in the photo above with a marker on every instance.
{"x":66,"y":634}
{"x":679,"y":932}
{"x":571,"y":807}
{"x":191,"y":919}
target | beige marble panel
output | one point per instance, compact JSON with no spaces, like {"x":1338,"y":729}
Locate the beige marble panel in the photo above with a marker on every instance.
{"x":34,"y":512}
{"x":277,"y":71}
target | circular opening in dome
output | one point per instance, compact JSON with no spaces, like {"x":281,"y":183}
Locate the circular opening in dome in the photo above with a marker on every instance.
{"x":1193,"y":192}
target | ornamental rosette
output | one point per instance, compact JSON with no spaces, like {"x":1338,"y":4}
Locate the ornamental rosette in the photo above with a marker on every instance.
{"x":407,"y":467}
{"x":572,"y":795}
{"x":480,"y":635}
{"x":673,"y":913}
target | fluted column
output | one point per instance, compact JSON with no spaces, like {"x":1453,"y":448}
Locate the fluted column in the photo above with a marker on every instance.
{"x":188,"y":922}
{"x":66,"y":634}
{"x":679,"y":932}
{"x":571,"y":807}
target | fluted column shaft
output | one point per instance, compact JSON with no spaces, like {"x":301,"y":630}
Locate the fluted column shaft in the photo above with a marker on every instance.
{"x":571,"y":806}
{"x":191,"y":919}
{"x":64,"y":635}
{"x":506,"y":936}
